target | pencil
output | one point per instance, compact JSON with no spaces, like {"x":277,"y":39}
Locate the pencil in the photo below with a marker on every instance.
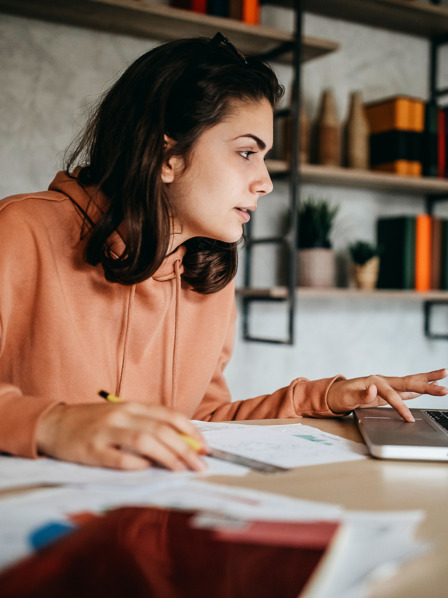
{"x":109,"y":396}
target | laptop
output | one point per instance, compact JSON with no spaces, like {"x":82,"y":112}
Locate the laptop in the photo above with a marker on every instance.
{"x":388,"y":436}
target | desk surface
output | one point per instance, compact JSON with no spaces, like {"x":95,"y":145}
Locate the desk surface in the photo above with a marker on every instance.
{"x":374,"y":484}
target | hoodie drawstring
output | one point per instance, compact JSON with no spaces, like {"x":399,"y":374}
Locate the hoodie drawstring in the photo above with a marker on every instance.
{"x":129,"y":309}
{"x":176,"y":332}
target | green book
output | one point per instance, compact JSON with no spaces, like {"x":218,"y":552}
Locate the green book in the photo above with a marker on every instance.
{"x":396,"y":241}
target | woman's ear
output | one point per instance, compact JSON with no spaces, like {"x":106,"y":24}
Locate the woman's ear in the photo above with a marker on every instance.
{"x":173,"y":165}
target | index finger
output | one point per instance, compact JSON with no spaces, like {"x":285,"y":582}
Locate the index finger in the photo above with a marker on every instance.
{"x":392,"y":397}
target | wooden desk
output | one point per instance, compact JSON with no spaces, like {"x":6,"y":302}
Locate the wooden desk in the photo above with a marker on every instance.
{"x":377,"y":485}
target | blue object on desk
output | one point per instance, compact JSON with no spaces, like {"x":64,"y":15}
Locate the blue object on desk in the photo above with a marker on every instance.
{"x":48,"y":533}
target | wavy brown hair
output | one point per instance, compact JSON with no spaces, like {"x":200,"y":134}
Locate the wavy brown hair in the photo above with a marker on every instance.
{"x":178,"y":89}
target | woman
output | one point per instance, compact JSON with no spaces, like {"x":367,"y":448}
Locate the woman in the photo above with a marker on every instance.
{"x":120,"y":275}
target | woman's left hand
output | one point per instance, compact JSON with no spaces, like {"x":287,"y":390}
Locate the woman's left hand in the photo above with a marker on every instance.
{"x":373,"y":391}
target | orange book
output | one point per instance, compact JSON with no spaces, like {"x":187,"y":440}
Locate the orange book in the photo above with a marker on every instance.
{"x":389,"y":114}
{"x":251,"y":12}
{"x":396,"y":167}
{"x":423,"y":252}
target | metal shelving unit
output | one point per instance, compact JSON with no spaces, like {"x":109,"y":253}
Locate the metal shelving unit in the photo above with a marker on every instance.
{"x":424,"y":20}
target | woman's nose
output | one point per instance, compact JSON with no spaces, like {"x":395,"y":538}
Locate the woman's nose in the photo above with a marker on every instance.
{"x":263,"y":185}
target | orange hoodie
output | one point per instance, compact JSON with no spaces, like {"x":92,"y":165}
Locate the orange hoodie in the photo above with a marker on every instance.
{"x":66,"y":332}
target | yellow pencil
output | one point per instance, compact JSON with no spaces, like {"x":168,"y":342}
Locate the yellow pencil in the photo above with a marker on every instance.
{"x":109,"y":396}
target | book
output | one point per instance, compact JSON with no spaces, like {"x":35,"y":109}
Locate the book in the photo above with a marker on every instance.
{"x":445,"y":135}
{"x":417,"y":125}
{"x":423,"y":252}
{"x":199,"y":6}
{"x":236,"y":9}
{"x":218,"y":8}
{"x":185,"y":4}
{"x":396,"y":241}
{"x":444,"y":256}
{"x":436,"y":252}
{"x":251,"y":12}
{"x":194,"y":5}
{"x":430,"y":152}
{"x":441,"y":144}
{"x":396,"y":128}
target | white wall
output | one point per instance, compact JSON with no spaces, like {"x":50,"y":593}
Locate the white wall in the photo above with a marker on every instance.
{"x":50,"y":73}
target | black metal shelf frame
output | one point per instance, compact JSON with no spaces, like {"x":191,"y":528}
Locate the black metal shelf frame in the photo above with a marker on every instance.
{"x":290,"y":239}
{"x":435,"y":93}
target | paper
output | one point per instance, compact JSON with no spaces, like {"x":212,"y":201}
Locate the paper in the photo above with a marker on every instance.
{"x":368,"y":546}
{"x":290,"y":445}
{"x":16,"y":472}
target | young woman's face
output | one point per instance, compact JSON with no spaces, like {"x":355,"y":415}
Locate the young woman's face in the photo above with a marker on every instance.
{"x":225,"y":178}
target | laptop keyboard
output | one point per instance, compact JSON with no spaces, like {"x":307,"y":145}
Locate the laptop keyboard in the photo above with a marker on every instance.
{"x":441,"y":417}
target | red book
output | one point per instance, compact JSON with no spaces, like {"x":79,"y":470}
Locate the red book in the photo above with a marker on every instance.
{"x":442,"y":143}
{"x":423,"y":252}
{"x":199,"y":6}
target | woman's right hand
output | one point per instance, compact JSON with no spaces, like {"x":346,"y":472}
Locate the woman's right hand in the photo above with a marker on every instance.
{"x":124,"y":435}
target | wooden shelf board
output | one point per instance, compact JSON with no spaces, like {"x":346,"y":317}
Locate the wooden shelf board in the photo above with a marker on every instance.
{"x":362,"y":179}
{"x":405,"y":16}
{"x":137,"y":18}
{"x":345,"y":293}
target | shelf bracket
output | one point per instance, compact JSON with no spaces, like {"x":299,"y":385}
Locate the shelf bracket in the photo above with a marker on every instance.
{"x":428,"y":305}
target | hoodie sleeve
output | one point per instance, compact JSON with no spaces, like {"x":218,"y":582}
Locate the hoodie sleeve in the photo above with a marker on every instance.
{"x":19,"y":413}
{"x":19,"y":416}
{"x":302,"y":397}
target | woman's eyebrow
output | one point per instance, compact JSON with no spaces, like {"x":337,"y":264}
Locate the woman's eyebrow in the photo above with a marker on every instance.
{"x":261,"y":144}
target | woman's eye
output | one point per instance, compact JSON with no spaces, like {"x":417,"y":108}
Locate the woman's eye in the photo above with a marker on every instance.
{"x":246,"y":154}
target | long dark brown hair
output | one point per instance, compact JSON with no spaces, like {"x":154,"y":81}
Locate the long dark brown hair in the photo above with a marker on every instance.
{"x":179,"y":89}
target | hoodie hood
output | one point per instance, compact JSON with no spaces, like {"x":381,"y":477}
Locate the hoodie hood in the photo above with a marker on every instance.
{"x":93,"y":203}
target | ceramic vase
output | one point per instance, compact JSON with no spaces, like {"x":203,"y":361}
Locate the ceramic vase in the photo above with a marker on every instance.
{"x":328,"y":131}
{"x":357,"y":134}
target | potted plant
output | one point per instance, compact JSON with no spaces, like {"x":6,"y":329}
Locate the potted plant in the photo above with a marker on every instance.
{"x":316,"y":258}
{"x":366,"y":261}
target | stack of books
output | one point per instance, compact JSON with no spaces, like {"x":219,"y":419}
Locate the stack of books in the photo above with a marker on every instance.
{"x":408,"y":136}
{"x":396,"y":128}
{"x":247,"y":11}
{"x":414,"y":252}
